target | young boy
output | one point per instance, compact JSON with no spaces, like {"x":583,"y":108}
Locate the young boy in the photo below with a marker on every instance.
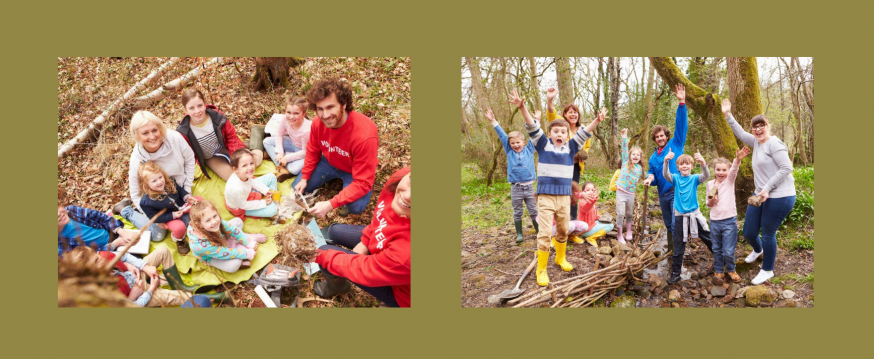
{"x":723,"y":214}
{"x":688,"y":220}
{"x":554,"y":177}
{"x":94,"y":228}
{"x":520,"y":173}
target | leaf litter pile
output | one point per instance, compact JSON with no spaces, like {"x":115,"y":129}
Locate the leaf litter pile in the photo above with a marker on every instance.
{"x":95,"y":174}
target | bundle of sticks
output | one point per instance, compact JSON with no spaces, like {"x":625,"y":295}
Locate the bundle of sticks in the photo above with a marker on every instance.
{"x":583,"y":290}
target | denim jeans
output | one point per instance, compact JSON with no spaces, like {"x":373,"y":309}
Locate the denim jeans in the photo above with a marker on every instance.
{"x":270,"y":146}
{"x":139,"y":220}
{"x":197,"y":301}
{"x":323,"y":173}
{"x":349,"y":236}
{"x":767,"y":218}
{"x":666,"y":202}
{"x":724,"y":234}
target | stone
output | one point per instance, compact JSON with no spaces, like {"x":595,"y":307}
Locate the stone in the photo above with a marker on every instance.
{"x":675,"y":305}
{"x":592,"y":250}
{"x":493,"y":299}
{"x":704,"y":283}
{"x":739,"y":302}
{"x":788,"y":294}
{"x":611,"y":234}
{"x":694,"y":275}
{"x":620,"y":291}
{"x":625,"y":248}
{"x":694,"y":291}
{"x":613,"y":242}
{"x":625,"y":301}
{"x":657,"y":291}
{"x":615,"y":260}
{"x":617,"y":251}
{"x":717,"y":281}
{"x":760,"y":295}
{"x":605,"y":250}
{"x":717,"y":291}
{"x":606,"y":218}
{"x":732,"y":290}
{"x":465,"y":254}
{"x":709,"y":297}
{"x":674,"y":296}
{"x":705,"y":292}
{"x":645,"y":294}
{"x":786,"y":303}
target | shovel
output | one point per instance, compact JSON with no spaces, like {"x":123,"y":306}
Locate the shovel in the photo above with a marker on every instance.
{"x":513,"y":293}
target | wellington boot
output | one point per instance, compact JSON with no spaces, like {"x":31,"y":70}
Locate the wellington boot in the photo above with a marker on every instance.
{"x":284,"y":175}
{"x":536,"y":227}
{"x":560,"y":251}
{"x":256,"y":138}
{"x":331,"y":286}
{"x":519,"y":237}
{"x":542,"y":260}
{"x":175,"y":280}
{"x":593,"y":239}
{"x":576,"y":239}
{"x":218,"y":298}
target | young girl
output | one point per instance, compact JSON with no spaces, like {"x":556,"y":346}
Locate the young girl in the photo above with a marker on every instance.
{"x":589,"y":214}
{"x":160,"y":192}
{"x":723,"y":214}
{"x":626,"y":186}
{"x":246,"y":196}
{"x":287,"y":143}
{"x":218,"y":243}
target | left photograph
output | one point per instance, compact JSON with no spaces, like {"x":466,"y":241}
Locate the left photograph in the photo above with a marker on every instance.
{"x":248,"y":182}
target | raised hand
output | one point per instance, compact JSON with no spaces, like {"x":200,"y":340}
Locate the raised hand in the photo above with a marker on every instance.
{"x":537,"y":116}
{"x":698,"y":157}
{"x":551,"y":93}
{"x":624,"y":133}
{"x":490,"y":115}
{"x":670,"y":155}
{"x":742,"y":152}
{"x":517,"y":101}
{"x":602,"y":114}
{"x":680,"y":92}
{"x":726,"y":107}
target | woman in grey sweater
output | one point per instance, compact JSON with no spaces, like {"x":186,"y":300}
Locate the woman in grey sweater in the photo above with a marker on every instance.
{"x":772,"y":172}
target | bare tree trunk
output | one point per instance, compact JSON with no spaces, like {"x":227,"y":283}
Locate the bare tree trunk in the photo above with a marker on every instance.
{"x":534,"y":85}
{"x":794,"y":73}
{"x":464,"y":121}
{"x":808,"y":97}
{"x":614,"y":69}
{"x":482,"y":102}
{"x":565,"y":82}
{"x":706,"y":104}
{"x":272,"y":71}
{"x":643,"y":136}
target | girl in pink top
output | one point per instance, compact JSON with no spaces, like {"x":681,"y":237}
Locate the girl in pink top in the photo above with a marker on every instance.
{"x":723,"y":214}
{"x":288,"y":140}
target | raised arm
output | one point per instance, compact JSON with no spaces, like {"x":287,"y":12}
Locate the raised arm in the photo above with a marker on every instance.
{"x":601,"y":115}
{"x":735,"y":165}
{"x":666,"y":169}
{"x":739,"y":132}
{"x":519,"y":102}
{"x":551,"y":93}
{"x":624,"y":134}
{"x":681,"y":125}
{"x":705,"y":172}
{"x":497,"y":126}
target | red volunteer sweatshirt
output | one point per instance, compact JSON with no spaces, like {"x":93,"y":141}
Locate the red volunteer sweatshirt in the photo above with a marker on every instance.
{"x":388,"y":239}
{"x":352,"y":148}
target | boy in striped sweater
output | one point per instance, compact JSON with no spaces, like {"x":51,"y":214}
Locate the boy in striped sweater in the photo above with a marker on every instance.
{"x":554,"y":176}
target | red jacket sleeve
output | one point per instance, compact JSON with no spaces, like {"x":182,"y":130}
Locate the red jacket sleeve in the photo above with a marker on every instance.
{"x":313,"y":151}
{"x":364,"y":163}
{"x":390,"y":267}
{"x":232,"y":141}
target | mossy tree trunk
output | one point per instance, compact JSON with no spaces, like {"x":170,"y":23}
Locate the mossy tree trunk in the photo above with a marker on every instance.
{"x":614,"y":69}
{"x":707,"y":105}
{"x":746,"y":103}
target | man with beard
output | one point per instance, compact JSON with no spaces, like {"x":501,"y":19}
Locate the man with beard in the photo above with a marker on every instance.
{"x":343,"y":144}
{"x":661,"y":135}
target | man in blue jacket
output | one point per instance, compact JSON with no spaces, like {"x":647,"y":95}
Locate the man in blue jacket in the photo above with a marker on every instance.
{"x":661,"y":135}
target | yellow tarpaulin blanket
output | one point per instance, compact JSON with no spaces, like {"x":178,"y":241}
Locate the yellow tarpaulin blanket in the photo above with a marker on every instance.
{"x":193,"y":270}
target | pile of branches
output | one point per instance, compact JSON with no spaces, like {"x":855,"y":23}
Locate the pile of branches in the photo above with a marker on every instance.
{"x":580,"y":291}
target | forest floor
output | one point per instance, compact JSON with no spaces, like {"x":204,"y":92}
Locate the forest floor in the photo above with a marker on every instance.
{"x":492,"y":262}
{"x":95,"y":175}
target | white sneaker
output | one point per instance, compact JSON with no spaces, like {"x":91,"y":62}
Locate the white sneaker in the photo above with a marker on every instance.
{"x":763,"y":277}
{"x":752,"y":257}
{"x":236,"y":222}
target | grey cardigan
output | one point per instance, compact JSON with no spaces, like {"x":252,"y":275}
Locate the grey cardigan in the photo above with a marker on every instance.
{"x":772,"y":168}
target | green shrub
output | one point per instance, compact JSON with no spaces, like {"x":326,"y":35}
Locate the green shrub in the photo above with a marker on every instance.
{"x":802,"y":212}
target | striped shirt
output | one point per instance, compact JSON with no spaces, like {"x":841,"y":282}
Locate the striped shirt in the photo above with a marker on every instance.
{"x":555,"y":167}
{"x":206,"y":138}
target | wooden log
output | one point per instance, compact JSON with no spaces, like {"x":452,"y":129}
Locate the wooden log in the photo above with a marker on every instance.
{"x":97,"y":123}
{"x":177,"y":84}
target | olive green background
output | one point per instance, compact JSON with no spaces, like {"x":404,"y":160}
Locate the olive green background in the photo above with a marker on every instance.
{"x":436,"y":35}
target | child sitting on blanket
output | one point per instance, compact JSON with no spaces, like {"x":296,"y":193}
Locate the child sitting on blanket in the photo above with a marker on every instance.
{"x":723,"y":214}
{"x":132,"y":273}
{"x":520,"y":172}
{"x":94,"y":228}
{"x":160,"y":192}
{"x":688,"y":220}
{"x":626,"y":186}
{"x":589,"y":214}
{"x":288,"y":139}
{"x":245,"y":195}
{"x":218,"y":243}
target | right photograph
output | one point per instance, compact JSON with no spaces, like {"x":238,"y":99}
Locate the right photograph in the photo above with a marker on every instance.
{"x":621,"y":182}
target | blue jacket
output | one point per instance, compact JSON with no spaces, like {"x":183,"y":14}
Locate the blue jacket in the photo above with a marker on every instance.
{"x":520,"y":166}
{"x":676,"y":144}
{"x":172,"y":202}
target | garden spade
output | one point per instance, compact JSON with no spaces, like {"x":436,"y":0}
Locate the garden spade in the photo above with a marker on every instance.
{"x":513,"y":293}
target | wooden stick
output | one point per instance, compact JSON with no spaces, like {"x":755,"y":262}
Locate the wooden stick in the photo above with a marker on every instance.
{"x":98,"y":122}
{"x":131,"y":243}
{"x":177,"y":84}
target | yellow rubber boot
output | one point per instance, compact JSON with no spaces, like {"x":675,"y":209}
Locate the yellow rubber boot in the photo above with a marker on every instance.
{"x":593,"y":239}
{"x":560,"y":249}
{"x":576,"y":239}
{"x":542,"y":260}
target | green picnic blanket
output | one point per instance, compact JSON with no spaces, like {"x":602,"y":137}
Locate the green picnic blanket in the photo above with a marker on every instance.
{"x":193,"y":270}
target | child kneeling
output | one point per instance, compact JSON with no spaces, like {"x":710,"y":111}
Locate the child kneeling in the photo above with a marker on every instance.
{"x":245,"y":195}
{"x":160,"y":192}
{"x":688,"y":220}
{"x":220,"y":244}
